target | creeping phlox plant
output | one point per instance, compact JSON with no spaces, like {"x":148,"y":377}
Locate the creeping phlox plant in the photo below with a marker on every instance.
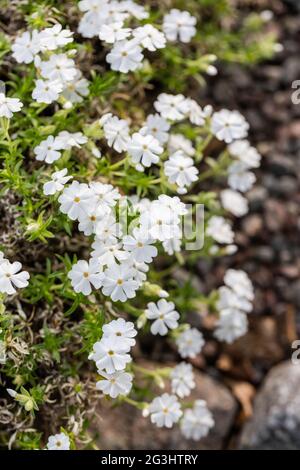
{"x":102,"y":174}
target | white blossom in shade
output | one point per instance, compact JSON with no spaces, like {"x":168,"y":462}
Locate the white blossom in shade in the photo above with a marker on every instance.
{"x":110,"y":355}
{"x":83,"y":276}
{"x":164,"y":315}
{"x":180,"y":170}
{"x":89,"y":221}
{"x":26,"y":47}
{"x":67,"y":140}
{"x":108,"y":254}
{"x":179,"y":142}
{"x":114,"y":385}
{"x":52,"y":38}
{"x":180,"y":25}
{"x":229,"y":299}
{"x":11,"y":277}
{"x":106,"y":195}
{"x":144,"y":150}
{"x":57,"y":182}
{"x":156,"y":126}
{"x":108,"y":231}
{"x":48,"y":150}
{"x":196,"y":422}
{"x":116,"y":132}
{"x":165,"y":410}
{"x":243,"y":151}
{"x":182,"y":379}
{"x":125,"y":56}
{"x":75,"y":90}
{"x":189,"y":343}
{"x":114,"y":32}
{"x":149,"y":37}
{"x":229,"y":125}
{"x":75,"y":200}
{"x":219,"y":229}
{"x":140,"y":246}
{"x":122,"y":331}
{"x":47,"y":91}
{"x":197,"y":115}
{"x":234,"y":202}
{"x":172,"y":246}
{"x":119,"y":283}
{"x":9,"y":106}
{"x":239,"y":178}
{"x":231,"y":325}
{"x":58,"y":442}
{"x":173,"y":107}
{"x":240,"y":283}
{"x":58,"y":67}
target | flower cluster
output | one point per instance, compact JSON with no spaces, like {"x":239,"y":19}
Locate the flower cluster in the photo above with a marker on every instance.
{"x":57,"y":75}
{"x":11,"y":276}
{"x":235,"y":301}
{"x":114,"y":23}
{"x":111,"y":355}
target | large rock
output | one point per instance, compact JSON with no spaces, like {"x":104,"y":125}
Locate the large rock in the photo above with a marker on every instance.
{"x":124,"y":427}
{"x":276,"y":418}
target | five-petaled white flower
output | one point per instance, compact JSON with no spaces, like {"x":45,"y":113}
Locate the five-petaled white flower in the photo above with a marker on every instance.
{"x":10,"y":277}
{"x":197,"y":421}
{"x":165,"y":410}
{"x":190,"y":343}
{"x":140,"y":246}
{"x":9,"y":106}
{"x":47,"y":91}
{"x":182,"y":379}
{"x":114,"y":32}
{"x":229,"y":125}
{"x":149,"y":37}
{"x":156,"y":126}
{"x":144,"y":150}
{"x":173,"y":107}
{"x":165,"y":317}
{"x":119,"y":283}
{"x":116,"y":384}
{"x":48,"y":150}
{"x":125,"y":56}
{"x":83,"y":276}
{"x":75,"y":200}
{"x":58,"y":442}
{"x":116,"y":132}
{"x":59,"y":67}
{"x":179,"y":24}
{"x":57,"y":182}
{"x":123,"y":331}
{"x":180,"y":170}
{"x":110,"y":355}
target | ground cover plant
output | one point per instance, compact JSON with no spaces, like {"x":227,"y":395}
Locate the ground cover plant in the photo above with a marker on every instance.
{"x":113,"y":175}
